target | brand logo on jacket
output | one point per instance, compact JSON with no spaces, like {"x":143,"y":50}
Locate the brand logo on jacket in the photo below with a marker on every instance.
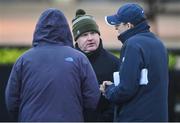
{"x":69,"y":59}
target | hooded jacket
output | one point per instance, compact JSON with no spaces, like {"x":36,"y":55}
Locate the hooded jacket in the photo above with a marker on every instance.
{"x":143,"y":87}
{"x":51,"y":81}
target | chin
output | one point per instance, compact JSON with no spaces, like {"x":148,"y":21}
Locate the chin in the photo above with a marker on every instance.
{"x":92,"y":49}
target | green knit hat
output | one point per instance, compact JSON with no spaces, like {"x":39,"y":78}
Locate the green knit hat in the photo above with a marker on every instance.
{"x":83,"y":23}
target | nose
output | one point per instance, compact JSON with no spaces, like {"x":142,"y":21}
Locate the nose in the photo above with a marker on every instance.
{"x":116,"y":27}
{"x":89,"y":37}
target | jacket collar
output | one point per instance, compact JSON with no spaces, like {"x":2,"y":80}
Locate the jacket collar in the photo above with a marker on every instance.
{"x":140,"y":28}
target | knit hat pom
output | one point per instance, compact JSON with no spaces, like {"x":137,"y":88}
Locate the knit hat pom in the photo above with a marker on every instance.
{"x":80,"y":12}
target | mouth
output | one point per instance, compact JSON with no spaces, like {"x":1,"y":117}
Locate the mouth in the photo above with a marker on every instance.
{"x":91,"y":45}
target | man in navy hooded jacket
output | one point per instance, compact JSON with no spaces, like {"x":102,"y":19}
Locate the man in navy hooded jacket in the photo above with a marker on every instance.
{"x":143,"y":85}
{"x":51,"y":81}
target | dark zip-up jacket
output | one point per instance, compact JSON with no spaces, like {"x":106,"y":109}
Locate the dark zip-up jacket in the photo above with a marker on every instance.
{"x":52,"y":81}
{"x":147,"y":100}
{"x":104,"y":65}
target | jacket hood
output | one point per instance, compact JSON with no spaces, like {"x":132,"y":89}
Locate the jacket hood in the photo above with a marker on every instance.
{"x":52,"y":27}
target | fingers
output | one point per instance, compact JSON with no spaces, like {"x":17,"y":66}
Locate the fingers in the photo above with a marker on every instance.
{"x":105,"y":83}
{"x":103,"y":86}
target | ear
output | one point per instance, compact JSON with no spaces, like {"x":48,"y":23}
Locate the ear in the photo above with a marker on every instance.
{"x":130,"y":25}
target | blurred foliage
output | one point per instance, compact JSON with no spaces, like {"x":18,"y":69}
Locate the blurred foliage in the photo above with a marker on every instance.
{"x":9,"y":55}
{"x":172,"y":59}
{"x":116,"y":53}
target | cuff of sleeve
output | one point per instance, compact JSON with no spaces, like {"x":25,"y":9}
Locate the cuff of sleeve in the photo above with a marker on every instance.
{"x":109,"y":90}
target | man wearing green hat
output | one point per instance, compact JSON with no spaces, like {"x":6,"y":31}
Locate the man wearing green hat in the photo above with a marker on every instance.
{"x":87,"y":40}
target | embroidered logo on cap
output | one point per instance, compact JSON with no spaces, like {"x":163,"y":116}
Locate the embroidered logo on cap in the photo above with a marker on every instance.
{"x":113,"y":23}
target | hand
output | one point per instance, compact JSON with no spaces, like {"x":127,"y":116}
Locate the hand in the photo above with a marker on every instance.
{"x":103,"y":86}
{"x":107,"y":83}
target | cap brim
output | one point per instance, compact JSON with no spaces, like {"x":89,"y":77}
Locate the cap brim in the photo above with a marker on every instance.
{"x":112,"y":20}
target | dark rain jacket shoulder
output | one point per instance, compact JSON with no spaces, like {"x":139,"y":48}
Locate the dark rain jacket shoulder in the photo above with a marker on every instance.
{"x":143,"y":88}
{"x":51,"y":81}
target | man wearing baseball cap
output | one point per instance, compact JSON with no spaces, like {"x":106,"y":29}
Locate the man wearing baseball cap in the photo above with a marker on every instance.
{"x":143,"y":84}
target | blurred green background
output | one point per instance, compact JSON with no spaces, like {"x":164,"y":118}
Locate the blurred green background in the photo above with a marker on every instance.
{"x":10,"y":55}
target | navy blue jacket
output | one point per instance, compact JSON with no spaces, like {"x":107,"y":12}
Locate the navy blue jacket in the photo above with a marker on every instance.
{"x":52,"y":81}
{"x":141,"y":101}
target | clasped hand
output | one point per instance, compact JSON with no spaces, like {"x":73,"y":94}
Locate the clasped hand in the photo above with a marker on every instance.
{"x":104,"y":85}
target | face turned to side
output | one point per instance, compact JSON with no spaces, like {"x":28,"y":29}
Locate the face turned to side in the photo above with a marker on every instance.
{"x":122,"y":27}
{"x":88,"y":41}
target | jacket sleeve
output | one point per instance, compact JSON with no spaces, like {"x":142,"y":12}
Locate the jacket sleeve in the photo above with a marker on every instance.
{"x":130,"y":69}
{"x":12,"y":92}
{"x":90,"y":86}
